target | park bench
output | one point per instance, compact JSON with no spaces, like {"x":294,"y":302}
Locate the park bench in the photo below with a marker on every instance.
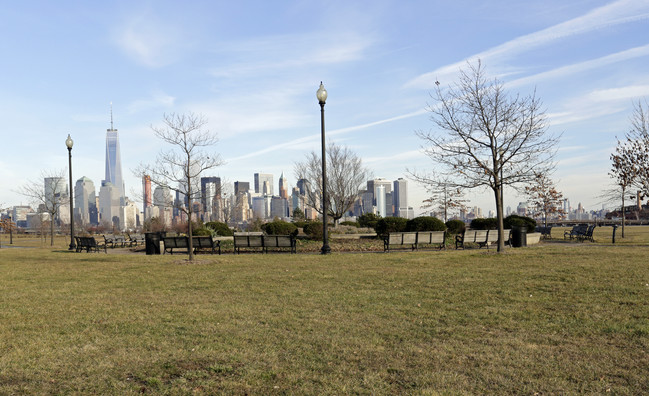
{"x":88,"y":244}
{"x":113,"y":241}
{"x":174,"y":242}
{"x":248,"y":240}
{"x":279,"y":242}
{"x":480,"y":237}
{"x":257,"y":241}
{"x":471,"y":236}
{"x":588,"y":235}
{"x":414,"y":239}
{"x":576,"y":231}
{"x":135,"y":239}
{"x":400,"y":239}
{"x":206,"y":243}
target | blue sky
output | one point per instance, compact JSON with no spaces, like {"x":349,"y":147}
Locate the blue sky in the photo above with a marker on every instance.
{"x":253,"y":67}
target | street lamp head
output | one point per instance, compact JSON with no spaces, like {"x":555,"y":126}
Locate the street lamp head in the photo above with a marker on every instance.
{"x":321,"y":94}
{"x":69,"y":142}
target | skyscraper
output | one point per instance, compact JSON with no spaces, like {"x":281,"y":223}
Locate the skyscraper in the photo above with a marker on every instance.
{"x":210,"y":194}
{"x":283,"y":187}
{"x":114,"y":160}
{"x":85,"y":205}
{"x":260,"y":178}
{"x":400,"y":197}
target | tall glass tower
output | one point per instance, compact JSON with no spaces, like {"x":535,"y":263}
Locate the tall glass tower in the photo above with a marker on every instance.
{"x":113,"y":160}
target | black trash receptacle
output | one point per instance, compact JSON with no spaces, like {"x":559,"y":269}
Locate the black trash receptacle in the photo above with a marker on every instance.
{"x":152,"y":242}
{"x":519,"y":237}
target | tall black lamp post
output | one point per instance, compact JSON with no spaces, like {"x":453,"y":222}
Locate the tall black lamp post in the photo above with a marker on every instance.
{"x":322,"y":98}
{"x":69,"y":143}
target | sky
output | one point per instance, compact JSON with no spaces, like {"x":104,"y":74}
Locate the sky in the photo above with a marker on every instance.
{"x":252,"y":69}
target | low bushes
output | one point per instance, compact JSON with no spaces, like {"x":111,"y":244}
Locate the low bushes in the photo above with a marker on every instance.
{"x":513,"y":220}
{"x":398,"y":224}
{"x":220,"y":229}
{"x":455,"y":226}
{"x":279,"y":227}
{"x":425,"y":223}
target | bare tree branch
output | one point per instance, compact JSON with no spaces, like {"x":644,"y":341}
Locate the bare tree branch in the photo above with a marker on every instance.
{"x":179,"y":168}
{"x":491,"y":138}
{"x":345,"y":177}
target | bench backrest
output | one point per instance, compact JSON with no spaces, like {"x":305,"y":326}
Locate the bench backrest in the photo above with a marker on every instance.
{"x":480,"y":236}
{"x":247,"y":240}
{"x":203,"y":241}
{"x":278,"y":241}
{"x":175,"y":242}
{"x":492,"y":236}
{"x":430,"y":237}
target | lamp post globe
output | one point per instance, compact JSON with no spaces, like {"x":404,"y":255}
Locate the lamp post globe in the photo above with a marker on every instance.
{"x":69,"y":143}
{"x":321,"y":94}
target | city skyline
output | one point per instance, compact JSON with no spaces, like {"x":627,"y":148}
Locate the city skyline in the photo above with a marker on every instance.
{"x":253,"y":69}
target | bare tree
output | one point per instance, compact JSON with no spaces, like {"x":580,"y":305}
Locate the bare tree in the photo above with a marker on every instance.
{"x":48,"y":194}
{"x":492,"y":138}
{"x":180,"y":167}
{"x":444,"y":196}
{"x":546,"y":200}
{"x":345,"y":177}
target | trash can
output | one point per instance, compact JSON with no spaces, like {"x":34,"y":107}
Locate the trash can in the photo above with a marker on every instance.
{"x":519,"y":237}
{"x":152,"y":242}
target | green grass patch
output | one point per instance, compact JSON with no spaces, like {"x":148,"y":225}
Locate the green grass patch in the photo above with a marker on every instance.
{"x":551,"y":319}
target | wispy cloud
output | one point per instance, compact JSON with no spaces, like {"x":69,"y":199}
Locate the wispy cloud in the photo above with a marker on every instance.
{"x":300,"y":143}
{"x":615,"y":13}
{"x":149,"y":41}
{"x":581,"y":67}
{"x":290,"y":52}
{"x":598,"y":103}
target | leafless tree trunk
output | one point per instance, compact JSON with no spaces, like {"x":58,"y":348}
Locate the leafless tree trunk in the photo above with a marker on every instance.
{"x":345,"y":177}
{"x":492,"y":138}
{"x":48,"y":199}
{"x":180,"y":167}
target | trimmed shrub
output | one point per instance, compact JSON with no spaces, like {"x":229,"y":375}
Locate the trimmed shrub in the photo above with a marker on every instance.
{"x":425,"y":223}
{"x":513,"y":220}
{"x":220,"y":229}
{"x":301,"y":223}
{"x":279,"y":227}
{"x":203,"y":231}
{"x":484,"y":224}
{"x":313,"y":230}
{"x":390,"y":224}
{"x":350,"y":223}
{"x":455,"y":226}
{"x":368,"y":220}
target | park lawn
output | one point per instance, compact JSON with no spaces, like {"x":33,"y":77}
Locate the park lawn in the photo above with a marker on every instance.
{"x":549,"y":319}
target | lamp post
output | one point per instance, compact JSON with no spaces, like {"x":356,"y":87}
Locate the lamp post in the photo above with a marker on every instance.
{"x":322,"y":98}
{"x":69,"y":143}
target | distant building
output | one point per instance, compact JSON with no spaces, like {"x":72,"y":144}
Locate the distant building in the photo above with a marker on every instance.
{"x":210,"y":197}
{"x":113,"y":172}
{"x":85,"y":208}
{"x":109,"y":204}
{"x":146,"y":194}
{"x":283,"y":187}
{"x":400,"y":197}
{"x":260,"y":180}
{"x":241,"y":188}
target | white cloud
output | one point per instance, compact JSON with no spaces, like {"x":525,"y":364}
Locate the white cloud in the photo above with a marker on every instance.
{"x":149,"y":41}
{"x":290,"y":52}
{"x":615,"y":13}
{"x":581,"y":67}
